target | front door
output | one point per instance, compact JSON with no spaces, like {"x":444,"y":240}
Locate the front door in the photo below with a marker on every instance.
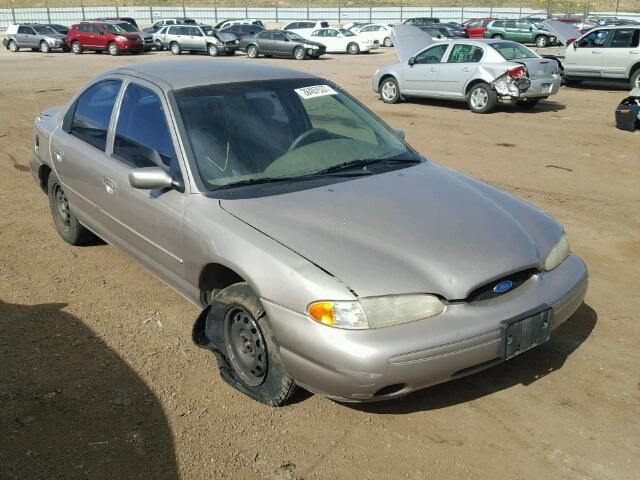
{"x":147,"y":224}
{"x":584,"y":56}
{"x":197,"y":41}
{"x":421,"y":78}
{"x":462,"y":63}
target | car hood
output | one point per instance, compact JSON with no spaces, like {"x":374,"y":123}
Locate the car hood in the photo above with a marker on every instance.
{"x":226,"y":36}
{"x":421,"y":229}
{"x":563,"y":32}
{"x":57,"y":36}
{"x":313,"y":42}
{"x":409,"y":40}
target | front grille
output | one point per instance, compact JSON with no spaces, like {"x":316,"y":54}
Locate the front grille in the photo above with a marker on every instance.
{"x":486,"y":292}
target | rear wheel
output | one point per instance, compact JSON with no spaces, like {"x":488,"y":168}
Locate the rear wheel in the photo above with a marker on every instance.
{"x":76,"y":47}
{"x":541,"y":41}
{"x":634,"y":81}
{"x":299,"y":53}
{"x":212,"y":50}
{"x":527,"y":104}
{"x":353,"y":48}
{"x":175,"y":48}
{"x":481,"y":98}
{"x":113,"y":49}
{"x":387,"y":42}
{"x":44,"y":47}
{"x":13,"y":46}
{"x":67,"y":225}
{"x":252,"y":51}
{"x":389,"y":90}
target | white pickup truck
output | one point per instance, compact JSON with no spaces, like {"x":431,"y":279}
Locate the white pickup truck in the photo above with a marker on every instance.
{"x":610,"y":53}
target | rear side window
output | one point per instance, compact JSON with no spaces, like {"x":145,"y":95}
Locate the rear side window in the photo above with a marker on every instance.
{"x":93,"y":113}
{"x":511,"y":24}
{"x":142,"y":135}
{"x":465,"y":54}
{"x":266,"y":35}
{"x":323,"y":25}
{"x":25,"y":30}
{"x":623,"y":38}
{"x":498,"y":24}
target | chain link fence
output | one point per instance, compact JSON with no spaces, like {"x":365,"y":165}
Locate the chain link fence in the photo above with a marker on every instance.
{"x":147,"y":12}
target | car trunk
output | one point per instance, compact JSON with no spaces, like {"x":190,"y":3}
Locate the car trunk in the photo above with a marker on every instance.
{"x":539,"y":67}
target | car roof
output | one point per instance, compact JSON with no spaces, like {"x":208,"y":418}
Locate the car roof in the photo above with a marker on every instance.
{"x":200,"y":72}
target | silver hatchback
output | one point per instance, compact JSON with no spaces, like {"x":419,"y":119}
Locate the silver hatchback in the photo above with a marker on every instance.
{"x":323,"y":250}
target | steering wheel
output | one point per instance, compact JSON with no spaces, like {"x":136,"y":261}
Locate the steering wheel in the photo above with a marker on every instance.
{"x":304,"y":135}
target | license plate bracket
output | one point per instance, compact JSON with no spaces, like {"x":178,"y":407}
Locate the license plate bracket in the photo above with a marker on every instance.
{"x":525,"y":332}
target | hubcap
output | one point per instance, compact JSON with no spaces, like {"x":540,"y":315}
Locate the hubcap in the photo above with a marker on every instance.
{"x":479,"y":98}
{"x":13,"y":47}
{"x":76,"y":47}
{"x":299,"y":53}
{"x":113,"y":49}
{"x":62,"y":208}
{"x":175,"y":49}
{"x":354,"y":48}
{"x":389,"y":90}
{"x":213,"y":51}
{"x":638,"y":81}
{"x":252,"y":52}
{"x":245,"y":347}
{"x":44,"y":47}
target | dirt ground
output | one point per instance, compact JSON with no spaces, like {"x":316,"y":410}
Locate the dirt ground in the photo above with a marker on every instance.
{"x":99,"y":377}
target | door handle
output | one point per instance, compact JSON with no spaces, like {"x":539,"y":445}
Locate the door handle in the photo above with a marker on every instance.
{"x":596,"y":51}
{"x":109,"y":185}
{"x":433,"y":70}
{"x":634,"y":51}
{"x":466,"y":69}
{"x":59,"y":154}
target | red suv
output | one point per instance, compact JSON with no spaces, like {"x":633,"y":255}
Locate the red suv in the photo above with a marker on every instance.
{"x":477,"y":26}
{"x":100,"y":36}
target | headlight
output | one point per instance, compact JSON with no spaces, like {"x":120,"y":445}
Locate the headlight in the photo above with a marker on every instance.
{"x":375,"y":312}
{"x":310,"y":47}
{"x":120,"y":38}
{"x":558,"y":254}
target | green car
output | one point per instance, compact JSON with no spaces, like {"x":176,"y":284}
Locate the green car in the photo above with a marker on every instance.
{"x":521,"y":31}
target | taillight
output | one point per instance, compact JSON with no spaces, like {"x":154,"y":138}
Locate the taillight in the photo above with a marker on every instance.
{"x":517,"y":72}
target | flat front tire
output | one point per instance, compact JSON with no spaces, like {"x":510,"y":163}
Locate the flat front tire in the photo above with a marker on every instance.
{"x":67,"y":225}
{"x":389,"y":90}
{"x":249,"y":346}
{"x":481,"y":98}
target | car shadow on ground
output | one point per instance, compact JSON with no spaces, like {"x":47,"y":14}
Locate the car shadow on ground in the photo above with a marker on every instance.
{"x":525,"y":369}
{"x":542,"y":106}
{"x":71,"y":407}
{"x":601,"y":86}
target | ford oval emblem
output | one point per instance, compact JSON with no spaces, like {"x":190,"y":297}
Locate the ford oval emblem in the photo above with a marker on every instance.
{"x":503,"y":287}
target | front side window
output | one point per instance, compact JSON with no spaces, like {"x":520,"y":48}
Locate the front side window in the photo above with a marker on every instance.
{"x":264,"y":35}
{"x":331,"y":33}
{"x":45,"y":30}
{"x":196,"y":32}
{"x":93,"y":113}
{"x":431,"y":55}
{"x":595,"y":39}
{"x":318,"y":33}
{"x":465,"y":54}
{"x":299,"y":127}
{"x":511,"y":24}
{"x":111,"y":28}
{"x":142,"y":135}
{"x":293,"y":36}
{"x":474,"y":24}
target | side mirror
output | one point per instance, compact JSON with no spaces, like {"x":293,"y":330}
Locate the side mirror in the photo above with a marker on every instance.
{"x":574,"y":44}
{"x":412,"y":61}
{"x":150,"y":178}
{"x":531,"y":29}
{"x":400,"y":133}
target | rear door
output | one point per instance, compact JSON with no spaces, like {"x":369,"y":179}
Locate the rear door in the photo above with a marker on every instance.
{"x":280,"y":44}
{"x":422,"y":77}
{"x":511,"y":31}
{"x":28,"y":37}
{"x":621,"y":52}
{"x":584,"y":57}
{"x":461,"y":65}
{"x":144,"y":223}
{"x":78,"y":149}
{"x":99,"y":36}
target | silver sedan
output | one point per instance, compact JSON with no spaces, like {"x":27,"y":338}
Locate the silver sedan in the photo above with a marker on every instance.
{"x":480,"y":72}
{"x":322,"y":249}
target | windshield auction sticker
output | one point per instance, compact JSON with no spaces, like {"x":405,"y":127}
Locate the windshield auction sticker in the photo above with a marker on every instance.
{"x":315,"y":91}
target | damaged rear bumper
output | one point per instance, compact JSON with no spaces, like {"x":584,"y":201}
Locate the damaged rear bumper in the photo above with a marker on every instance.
{"x":380,"y":364}
{"x":526,"y":88}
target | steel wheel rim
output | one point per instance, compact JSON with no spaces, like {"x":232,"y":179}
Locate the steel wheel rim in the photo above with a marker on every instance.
{"x":61,"y":207}
{"x":479,"y":98}
{"x":541,"y":42}
{"x":246,"y":347}
{"x":389,"y":90}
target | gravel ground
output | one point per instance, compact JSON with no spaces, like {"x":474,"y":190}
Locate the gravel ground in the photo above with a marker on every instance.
{"x":99,"y":378}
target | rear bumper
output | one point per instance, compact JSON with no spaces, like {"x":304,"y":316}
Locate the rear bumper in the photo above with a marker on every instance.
{"x":543,"y":87}
{"x":354,"y":365}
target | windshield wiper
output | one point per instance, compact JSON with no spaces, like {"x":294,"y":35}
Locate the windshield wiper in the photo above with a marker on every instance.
{"x":259,"y":181}
{"x":363,"y":162}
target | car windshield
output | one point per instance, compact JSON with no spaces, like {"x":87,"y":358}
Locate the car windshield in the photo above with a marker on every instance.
{"x":513,"y":51}
{"x":293,"y":36}
{"x":127,"y":27}
{"x":282,"y":130}
{"x":347,"y":33}
{"x":44,"y":30}
{"x":113,"y":28}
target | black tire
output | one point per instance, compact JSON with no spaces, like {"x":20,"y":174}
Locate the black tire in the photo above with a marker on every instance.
{"x":67,"y":225}
{"x":76,"y":47}
{"x":230,"y":53}
{"x":159,"y":47}
{"x":481,"y":98}
{"x":248,"y":358}
{"x":387,"y":42}
{"x":634,"y":81}
{"x":541,"y":41}
{"x":390,"y":90}
{"x":44,"y":47}
{"x":112,"y":48}
{"x":299,"y":53}
{"x":35,"y":49}
{"x":252,"y":51}
{"x":212,"y":50}
{"x":353,"y":48}
{"x":497,"y":36}
{"x":571,"y":81}
{"x":527,"y":104}
{"x":175,"y":48}
{"x":66,"y":49}
{"x":13,"y":46}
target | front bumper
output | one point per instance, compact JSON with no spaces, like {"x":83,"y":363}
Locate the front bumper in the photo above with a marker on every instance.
{"x":361,"y":365}
{"x":130,"y":46}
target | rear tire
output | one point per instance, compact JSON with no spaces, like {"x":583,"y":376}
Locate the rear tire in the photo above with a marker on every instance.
{"x":76,"y":47}
{"x":299,"y":53}
{"x":175,"y":48}
{"x":13,"y":46}
{"x":387,"y":42}
{"x":634,"y":81}
{"x":113,"y":49}
{"x":44,"y":47}
{"x":67,"y":225}
{"x":541,"y":41}
{"x":254,"y":366}
{"x":252,"y":51}
{"x":389,"y":90}
{"x":481,"y":98}
{"x":353,"y":48}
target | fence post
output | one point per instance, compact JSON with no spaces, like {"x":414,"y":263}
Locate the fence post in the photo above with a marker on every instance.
{"x":277,"y":11}
{"x":13,"y":12}
{"x":462,"y":14}
{"x":617,"y":6}
{"x":184,"y":10}
{"x":401,"y":12}
{"x":491,"y":11}
{"x":215,"y":14}
{"x":48,"y":12}
{"x":117,"y":9}
{"x":307,"y":9}
{"x":150,"y":13}
{"x":370,"y":14}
